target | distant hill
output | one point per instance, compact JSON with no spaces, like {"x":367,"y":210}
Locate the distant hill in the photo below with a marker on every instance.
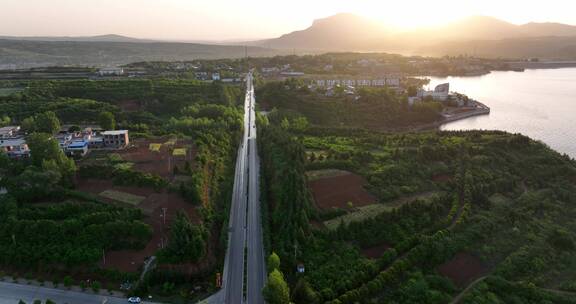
{"x":100,"y":38}
{"x":347,"y":32}
{"x":34,"y":53}
{"x":341,"y":31}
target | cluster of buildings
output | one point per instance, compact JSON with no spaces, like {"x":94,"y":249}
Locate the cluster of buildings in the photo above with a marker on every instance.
{"x":390,"y":82}
{"x":75,"y":143}
{"x":12,"y":142}
{"x":79,"y":143}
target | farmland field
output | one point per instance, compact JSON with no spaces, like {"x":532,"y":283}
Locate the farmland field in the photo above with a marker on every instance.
{"x":122,"y":197}
{"x":359,"y":215}
{"x":338,"y":189}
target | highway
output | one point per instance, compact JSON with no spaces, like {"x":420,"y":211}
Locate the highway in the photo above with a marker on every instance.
{"x":256,"y":265}
{"x":245,"y":253}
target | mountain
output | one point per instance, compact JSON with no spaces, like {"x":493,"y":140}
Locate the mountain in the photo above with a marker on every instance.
{"x":341,"y":31}
{"x":348,"y":32}
{"x":100,"y":38}
{"x":548,"y":29}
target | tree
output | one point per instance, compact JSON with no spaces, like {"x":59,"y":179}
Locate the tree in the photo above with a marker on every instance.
{"x":300,"y":124}
{"x":67,"y":281}
{"x":107,"y":121}
{"x":34,"y":184}
{"x":276,"y":290}
{"x":303,"y":293}
{"x":273,"y":262}
{"x":28,"y":125}
{"x":5,"y":120}
{"x":46,"y":154}
{"x":47,"y":122}
{"x":187,"y":241}
{"x":96,"y":286}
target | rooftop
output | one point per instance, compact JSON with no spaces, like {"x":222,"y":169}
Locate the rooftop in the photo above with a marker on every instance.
{"x":116,"y":132}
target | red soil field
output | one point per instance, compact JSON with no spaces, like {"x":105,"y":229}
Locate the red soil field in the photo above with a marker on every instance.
{"x":337,"y":191}
{"x":157,"y":162}
{"x":376,"y":251}
{"x":129,"y":105}
{"x":132,"y":260}
{"x":463,"y":269}
{"x":441,"y":178}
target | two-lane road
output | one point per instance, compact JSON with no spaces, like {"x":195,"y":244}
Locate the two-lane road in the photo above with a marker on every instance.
{"x":256,"y":266}
{"x":245,"y":228}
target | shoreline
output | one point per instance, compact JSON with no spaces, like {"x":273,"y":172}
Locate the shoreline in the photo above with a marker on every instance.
{"x":481,"y":109}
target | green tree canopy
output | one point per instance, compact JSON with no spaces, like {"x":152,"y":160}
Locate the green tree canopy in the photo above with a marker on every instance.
{"x":187,"y":241}
{"x":107,"y":121}
{"x":47,"y":122}
{"x":276,"y":290}
{"x":46,"y":154}
{"x":273,"y":262}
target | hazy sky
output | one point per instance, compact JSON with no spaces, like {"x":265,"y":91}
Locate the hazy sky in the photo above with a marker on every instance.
{"x":241,"y":19}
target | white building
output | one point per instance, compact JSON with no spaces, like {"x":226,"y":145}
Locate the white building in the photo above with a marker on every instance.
{"x":215,"y":76}
{"x":9,"y":131}
{"x":15,"y":147}
{"x":111,"y":71}
{"x":77,"y":148}
{"x":270,"y":70}
{"x":440,"y":93}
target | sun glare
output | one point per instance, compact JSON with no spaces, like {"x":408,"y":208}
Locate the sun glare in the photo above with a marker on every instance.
{"x":407,"y":15}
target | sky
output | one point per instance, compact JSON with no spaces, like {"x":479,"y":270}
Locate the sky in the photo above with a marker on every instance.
{"x":249,"y":19}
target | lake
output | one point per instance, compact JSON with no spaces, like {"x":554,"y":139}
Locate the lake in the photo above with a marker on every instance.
{"x":537,"y":103}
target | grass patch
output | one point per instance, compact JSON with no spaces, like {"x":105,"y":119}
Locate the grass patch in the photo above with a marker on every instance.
{"x":122,"y":197}
{"x":124,"y":166}
{"x":499,"y":199}
{"x":9,"y":91}
{"x":179,"y":152}
{"x":155,"y":147}
{"x":171,"y":142}
{"x":361,"y":214}
{"x":319,"y":174}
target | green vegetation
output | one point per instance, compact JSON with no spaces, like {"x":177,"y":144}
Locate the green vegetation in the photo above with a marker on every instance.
{"x":187,"y":241}
{"x":501,"y":197}
{"x":276,"y":290}
{"x":66,"y":233}
{"x":377,"y":108}
{"x":205,"y":115}
{"x":122,"y":197}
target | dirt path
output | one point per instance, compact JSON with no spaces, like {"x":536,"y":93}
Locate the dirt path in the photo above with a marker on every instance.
{"x":463,"y":292}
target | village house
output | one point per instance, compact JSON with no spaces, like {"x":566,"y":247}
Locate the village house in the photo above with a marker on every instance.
{"x":77,"y":148}
{"x":9,"y":131}
{"x":15,"y":147}
{"x":116,"y":139}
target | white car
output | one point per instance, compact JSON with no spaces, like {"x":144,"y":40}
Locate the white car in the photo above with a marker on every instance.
{"x":134,"y":300}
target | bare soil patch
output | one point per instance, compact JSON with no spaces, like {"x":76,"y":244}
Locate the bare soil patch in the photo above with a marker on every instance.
{"x":337,"y":191}
{"x":441,"y":178}
{"x":375,"y":252}
{"x":152,"y":206}
{"x":463,"y":269}
{"x":161,"y":162}
{"x":129,"y":105}
{"x":97,"y":186}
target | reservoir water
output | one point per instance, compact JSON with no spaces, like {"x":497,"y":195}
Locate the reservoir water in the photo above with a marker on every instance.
{"x":537,"y":103}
